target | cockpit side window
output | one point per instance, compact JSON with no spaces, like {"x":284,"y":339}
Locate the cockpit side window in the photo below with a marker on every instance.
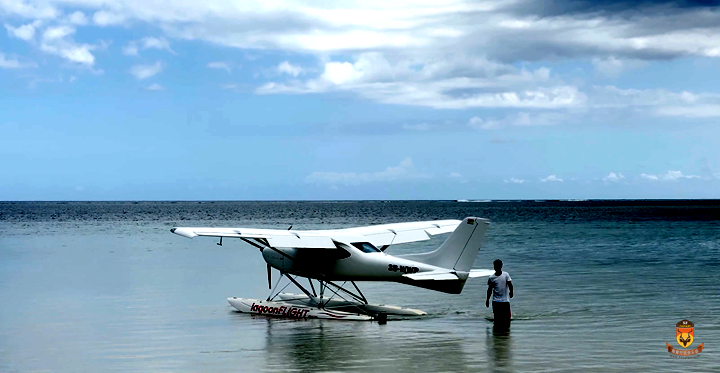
{"x":366,"y":247}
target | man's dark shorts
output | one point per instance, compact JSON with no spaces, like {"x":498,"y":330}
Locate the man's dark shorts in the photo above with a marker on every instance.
{"x":501,"y":311}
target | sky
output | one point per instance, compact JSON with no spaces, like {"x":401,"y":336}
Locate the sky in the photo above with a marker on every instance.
{"x":327,"y":100}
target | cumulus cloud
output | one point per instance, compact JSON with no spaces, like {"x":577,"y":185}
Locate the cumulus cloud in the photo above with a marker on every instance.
{"x":406,"y":82}
{"x":669,"y":176}
{"x":613,"y":67}
{"x":551,"y":178}
{"x":446,"y":55}
{"x":286,"y":67}
{"x":59,"y":32}
{"x":478,"y":123}
{"x":514,"y":180}
{"x":403,"y":172}
{"x":56,"y":40}
{"x":156,"y":43}
{"x":106,"y":18}
{"x":227,"y":66}
{"x":24,"y":32}
{"x":613,"y":177}
{"x":132,"y":48}
{"x":142,"y":72}
{"x":31,"y":10}
{"x":78,"y":18}
{"x":648,"y":177}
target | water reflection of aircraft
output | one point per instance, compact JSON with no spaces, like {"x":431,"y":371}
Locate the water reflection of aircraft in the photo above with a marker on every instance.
{"x":355,"y":254}
{"x":319,"y":346}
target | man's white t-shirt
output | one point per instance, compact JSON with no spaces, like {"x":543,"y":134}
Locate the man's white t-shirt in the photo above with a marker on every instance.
{"x":500,"y":288}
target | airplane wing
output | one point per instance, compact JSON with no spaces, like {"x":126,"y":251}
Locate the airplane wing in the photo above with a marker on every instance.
{"x":378,"y":235}
{"x":397,"y":233}
{"x":274,"y":237}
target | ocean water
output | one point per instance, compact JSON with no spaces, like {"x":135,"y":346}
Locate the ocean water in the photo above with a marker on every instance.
{"x":599,"y":287}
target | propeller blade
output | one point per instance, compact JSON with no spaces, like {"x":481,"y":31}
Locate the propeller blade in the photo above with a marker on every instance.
{"x":269,"y":277}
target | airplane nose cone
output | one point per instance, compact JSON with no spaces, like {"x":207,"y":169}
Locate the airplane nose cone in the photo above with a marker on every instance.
{"x":172,"y":230}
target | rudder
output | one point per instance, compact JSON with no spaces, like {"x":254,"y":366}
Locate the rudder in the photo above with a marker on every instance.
{"x":460,"y":248}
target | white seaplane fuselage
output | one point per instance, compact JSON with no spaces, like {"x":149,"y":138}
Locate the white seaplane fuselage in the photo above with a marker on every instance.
{"x":348,"y":263}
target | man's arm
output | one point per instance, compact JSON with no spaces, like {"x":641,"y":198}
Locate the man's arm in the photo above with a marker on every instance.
{"x":509,"y":283}
{"x":489,"y":293}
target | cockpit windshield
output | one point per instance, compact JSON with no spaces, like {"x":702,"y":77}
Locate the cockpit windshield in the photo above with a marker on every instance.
{"x":366,"y":247}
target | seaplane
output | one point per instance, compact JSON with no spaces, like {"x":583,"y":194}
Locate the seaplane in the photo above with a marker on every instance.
{"x":347,"y":255}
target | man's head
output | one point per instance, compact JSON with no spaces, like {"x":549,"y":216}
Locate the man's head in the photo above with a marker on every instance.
{"x":498,"y":265}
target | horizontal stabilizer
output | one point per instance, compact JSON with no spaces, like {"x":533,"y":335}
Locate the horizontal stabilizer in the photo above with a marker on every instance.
{"x":481,"y":272}
{"x":433,"y":275}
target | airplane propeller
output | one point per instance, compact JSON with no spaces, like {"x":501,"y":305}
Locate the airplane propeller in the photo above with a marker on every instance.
{"x":269,"y":277}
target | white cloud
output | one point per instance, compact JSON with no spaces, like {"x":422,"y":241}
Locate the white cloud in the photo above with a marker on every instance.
{"x":227,"y":66}
{"x":130,"y":49}
{"x":155,"y":87}
{"x":156,"y":43}
{"x":403,"y":172}
{"x":613,"y":67}
{"x":228,"y":86}
{"x":142,"y":72}
{"x":286,"y":67}
{"x":78,"y":18}
{"x":105,"y":18}
{"x":24,"y":32}
{"x":59,"y":32}
{"x":613,"y":177}
{"x":477,"y":123}
{"x":432,"y":54}
{"x":648,"y":177}
{"x":669,"y":176}
{"x":551,"y":178}
{"x":455,"y":175}
{"x":70,"y":51}
{"x":514,"y":180}
{"x":417,"y":83}
{"x":31,"y":10}
{"x":56,"y":40}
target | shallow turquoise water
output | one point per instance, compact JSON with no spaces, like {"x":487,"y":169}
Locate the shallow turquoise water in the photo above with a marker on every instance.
{"x":599,"y":287}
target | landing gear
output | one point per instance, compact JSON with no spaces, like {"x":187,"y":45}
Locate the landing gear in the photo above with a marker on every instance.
{"x":346,"y":300}
{"x":341,"y":304}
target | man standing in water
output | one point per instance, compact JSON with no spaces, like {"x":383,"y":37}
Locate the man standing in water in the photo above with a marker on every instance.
{"x":500,"y":286}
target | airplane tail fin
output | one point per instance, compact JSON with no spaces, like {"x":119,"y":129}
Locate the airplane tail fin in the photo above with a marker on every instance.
{"x":460,"y":248}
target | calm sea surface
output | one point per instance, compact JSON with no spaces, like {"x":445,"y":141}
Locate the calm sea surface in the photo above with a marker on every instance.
{"x":599,"y":286}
